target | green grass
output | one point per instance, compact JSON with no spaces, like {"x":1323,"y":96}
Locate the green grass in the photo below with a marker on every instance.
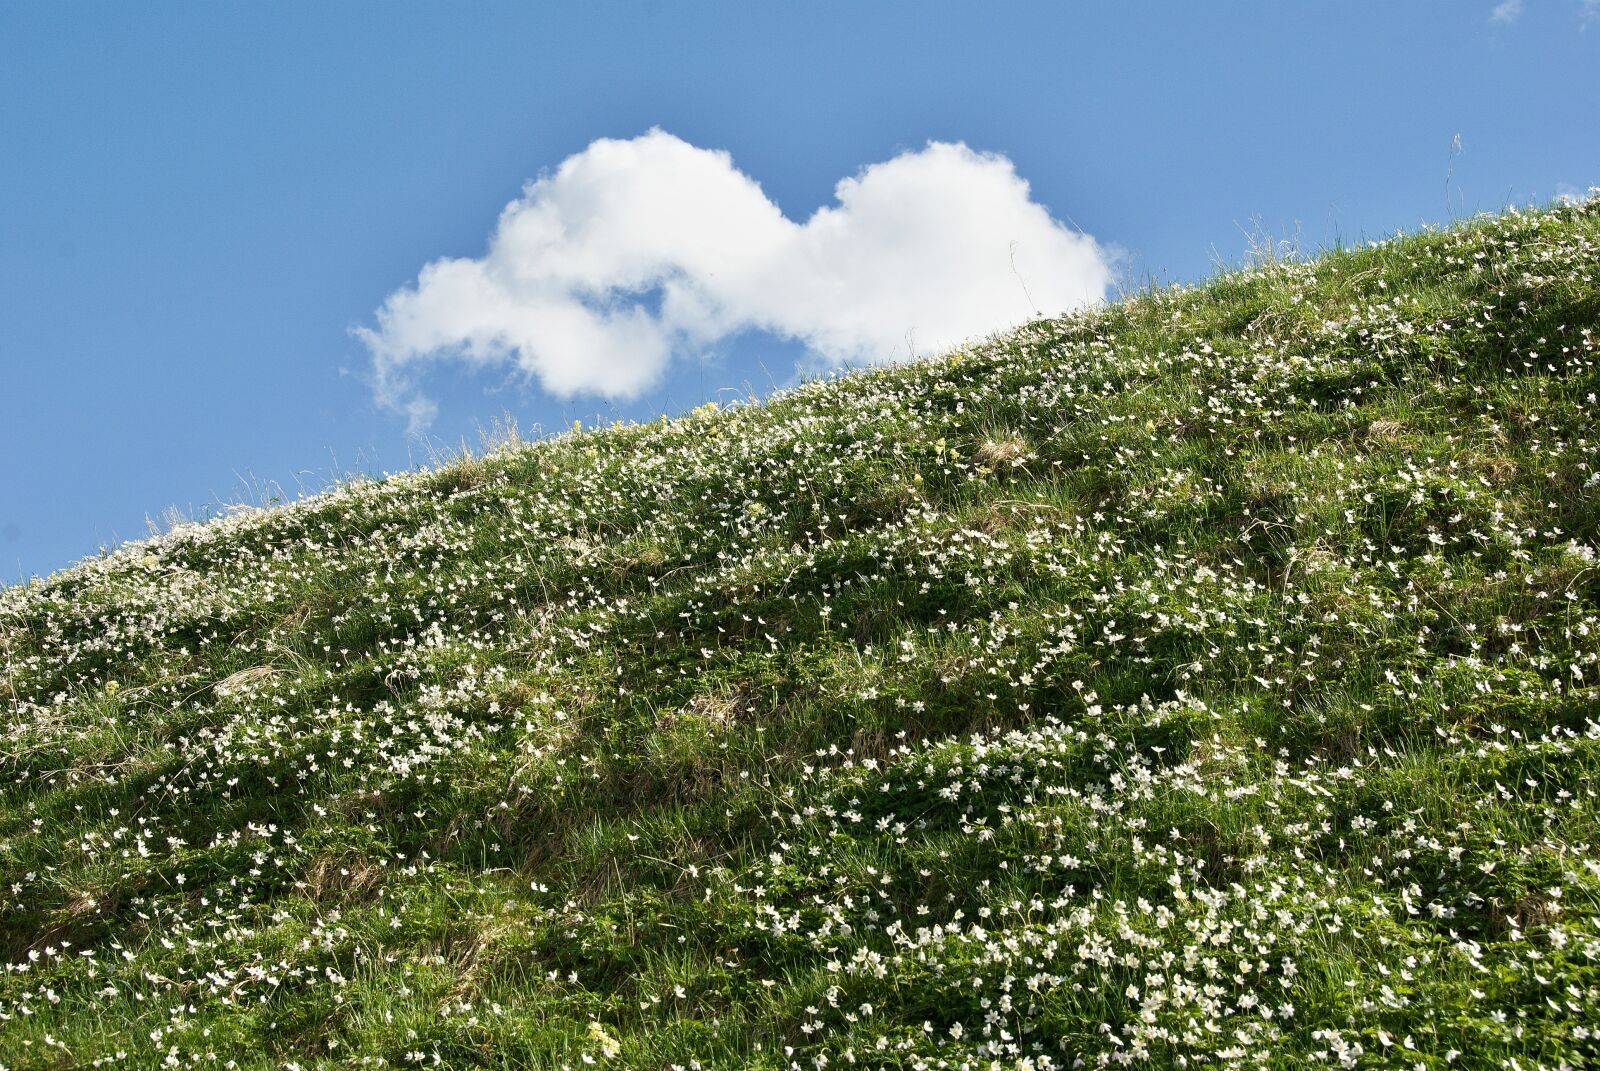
{"x":1210,"y":680}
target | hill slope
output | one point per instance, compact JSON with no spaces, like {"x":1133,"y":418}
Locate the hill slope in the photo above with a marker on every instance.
{"x":1209,"y":680}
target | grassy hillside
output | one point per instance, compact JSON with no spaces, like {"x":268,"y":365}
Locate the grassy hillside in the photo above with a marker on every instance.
{"x":1206,"y":681}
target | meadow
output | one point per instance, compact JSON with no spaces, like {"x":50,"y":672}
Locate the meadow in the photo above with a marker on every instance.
{"x":1211,"y":679}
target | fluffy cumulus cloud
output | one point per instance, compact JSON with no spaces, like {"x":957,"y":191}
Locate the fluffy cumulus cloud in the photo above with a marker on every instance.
{"x":633,"y":252}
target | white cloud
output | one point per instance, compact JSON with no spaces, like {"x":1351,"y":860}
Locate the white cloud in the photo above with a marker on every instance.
{"x":1506,"y":12}
{"x":635,"y":252}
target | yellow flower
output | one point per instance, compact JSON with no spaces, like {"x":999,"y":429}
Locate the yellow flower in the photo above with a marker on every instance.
{"x":609,"y":1046}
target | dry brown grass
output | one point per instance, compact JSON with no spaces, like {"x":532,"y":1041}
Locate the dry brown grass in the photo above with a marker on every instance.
{"x":235,"y":683}
{"x":1385,"y":431}
{"x":340,"y":879}
{"x":1002,"y":451}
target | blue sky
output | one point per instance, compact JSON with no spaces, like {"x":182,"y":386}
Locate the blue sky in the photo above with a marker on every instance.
{"x":199,"y":204}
